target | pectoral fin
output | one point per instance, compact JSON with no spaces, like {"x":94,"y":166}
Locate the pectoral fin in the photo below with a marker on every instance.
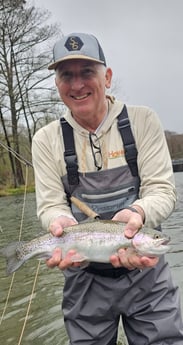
{"x":79,"y":258}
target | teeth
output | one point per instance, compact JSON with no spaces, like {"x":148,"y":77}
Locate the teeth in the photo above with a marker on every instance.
{"x":81,"y":97}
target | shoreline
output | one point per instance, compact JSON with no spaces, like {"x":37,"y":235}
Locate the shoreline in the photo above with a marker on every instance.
{"x":9,"y":191}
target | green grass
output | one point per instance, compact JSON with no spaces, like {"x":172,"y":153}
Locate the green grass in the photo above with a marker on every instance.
{"x":6,"y":191}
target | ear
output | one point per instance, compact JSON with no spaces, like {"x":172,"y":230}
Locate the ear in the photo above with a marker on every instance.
{"x":108,"y":78}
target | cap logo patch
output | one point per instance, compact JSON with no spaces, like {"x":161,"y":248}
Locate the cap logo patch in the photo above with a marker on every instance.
{"x":73,"y":43}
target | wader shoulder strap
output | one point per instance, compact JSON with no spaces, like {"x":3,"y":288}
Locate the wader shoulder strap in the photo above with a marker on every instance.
{"x":128,"y":141}
{"x":70,"y":153}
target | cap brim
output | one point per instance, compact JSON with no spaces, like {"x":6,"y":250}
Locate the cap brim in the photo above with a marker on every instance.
{"x":73,"y":57}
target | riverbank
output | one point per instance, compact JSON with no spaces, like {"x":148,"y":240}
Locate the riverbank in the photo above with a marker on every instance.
{"x":8,"y":191}
{"x":177,"y":165}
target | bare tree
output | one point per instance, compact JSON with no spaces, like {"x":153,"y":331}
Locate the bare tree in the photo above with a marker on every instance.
{"x":25,"y":52}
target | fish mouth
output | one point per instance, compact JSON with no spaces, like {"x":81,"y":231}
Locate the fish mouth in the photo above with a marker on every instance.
{"x":165,"y":241}
{"x":161,"y":246}
{"x":162,"y":242}
{"x":153,"y":248}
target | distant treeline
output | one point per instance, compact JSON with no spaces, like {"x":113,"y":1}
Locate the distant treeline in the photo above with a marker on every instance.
{"x":175,"y":144}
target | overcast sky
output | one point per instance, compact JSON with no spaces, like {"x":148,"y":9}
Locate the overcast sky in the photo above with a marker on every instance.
{"x":143,"y":44}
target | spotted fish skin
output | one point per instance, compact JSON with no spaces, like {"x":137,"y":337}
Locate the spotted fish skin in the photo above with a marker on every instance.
{"x":94,"y":241}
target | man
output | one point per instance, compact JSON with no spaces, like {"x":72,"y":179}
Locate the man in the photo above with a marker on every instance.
{"x":85,"y":155}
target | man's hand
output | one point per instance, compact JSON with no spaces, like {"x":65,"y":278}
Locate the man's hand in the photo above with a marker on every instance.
{"x":56,"y":228}
{"x":125,"y":257}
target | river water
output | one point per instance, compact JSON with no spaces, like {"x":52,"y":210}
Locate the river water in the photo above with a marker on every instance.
{"x":45,"y":322}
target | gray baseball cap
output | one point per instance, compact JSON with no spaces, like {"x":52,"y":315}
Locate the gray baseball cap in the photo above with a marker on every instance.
{"x":77,"y":46}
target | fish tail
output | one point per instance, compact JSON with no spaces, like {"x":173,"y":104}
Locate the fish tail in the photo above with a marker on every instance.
{"x":10,"y":254}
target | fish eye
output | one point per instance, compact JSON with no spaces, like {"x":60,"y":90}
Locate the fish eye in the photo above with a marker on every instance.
{"x":156,"y":236}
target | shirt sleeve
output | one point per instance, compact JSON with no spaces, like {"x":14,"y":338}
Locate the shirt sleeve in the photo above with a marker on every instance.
{"x":157,"y":194}
{"x":50,"y":195}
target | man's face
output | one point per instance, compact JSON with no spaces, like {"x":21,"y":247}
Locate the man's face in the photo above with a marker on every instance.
{"x":81,"y":85}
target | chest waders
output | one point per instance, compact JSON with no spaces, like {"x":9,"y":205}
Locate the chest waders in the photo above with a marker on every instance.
{"x":106,"y":191}
{"x":147,"y":301}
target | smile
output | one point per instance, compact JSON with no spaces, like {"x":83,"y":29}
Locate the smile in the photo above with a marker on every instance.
{"x":81,"y":97}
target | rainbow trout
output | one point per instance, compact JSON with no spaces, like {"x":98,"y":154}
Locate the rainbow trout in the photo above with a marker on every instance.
{"x":94,"y":241}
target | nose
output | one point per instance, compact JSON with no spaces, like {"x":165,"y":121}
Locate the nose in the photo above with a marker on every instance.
{"x":77,"y":82}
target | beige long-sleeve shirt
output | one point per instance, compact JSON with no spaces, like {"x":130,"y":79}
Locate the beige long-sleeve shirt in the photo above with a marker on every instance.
{"x":157,"y":190}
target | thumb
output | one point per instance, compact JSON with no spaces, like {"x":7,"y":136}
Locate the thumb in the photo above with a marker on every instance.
{"x":130,"y":233}
{"x":56,"y":230}
{"x":133,"y":226}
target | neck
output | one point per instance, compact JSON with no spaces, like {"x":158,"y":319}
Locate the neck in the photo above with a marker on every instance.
{"x":92,"y":121}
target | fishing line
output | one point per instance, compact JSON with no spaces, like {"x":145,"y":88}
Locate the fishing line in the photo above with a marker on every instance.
{"x":27,"y":165}
{"x":38,"y":266}
{"x":7,"y":298}
{"x":16,"y":154}
{"x":24,"y":201}
{"x":20,"y":233}
{"x":30,"y":302}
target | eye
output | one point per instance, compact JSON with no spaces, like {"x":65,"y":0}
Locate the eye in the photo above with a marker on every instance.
{"x":66,"y":75}
{"x":156,"y":236}
{"x":87,"y":72}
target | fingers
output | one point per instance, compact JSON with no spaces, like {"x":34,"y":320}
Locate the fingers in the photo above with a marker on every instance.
{"x":57,"y":226}
{"x":55,"y":259}
{"x":62,"y":264}
{"x":127,"y":257}
{"x":67,"y":261}
{"x":130,"y":260}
